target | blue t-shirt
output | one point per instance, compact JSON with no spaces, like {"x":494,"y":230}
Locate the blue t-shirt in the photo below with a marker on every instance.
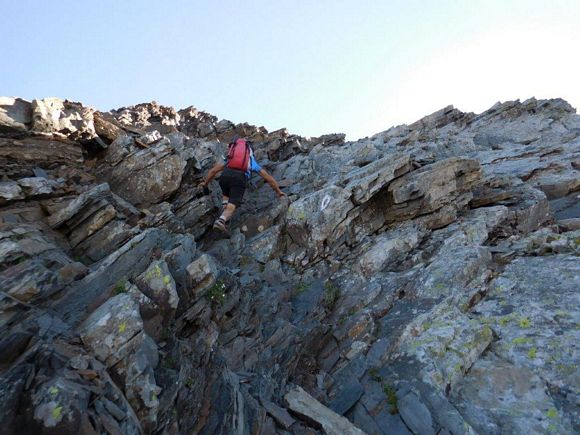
{"x":254,"y":165}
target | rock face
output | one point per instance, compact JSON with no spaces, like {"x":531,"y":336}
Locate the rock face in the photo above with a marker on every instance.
{"x":111,"y":327}
{"x":420,"y":281}
{"x":147,"y":176}
{"x":53,"y":115}
{"x":15,"y":114}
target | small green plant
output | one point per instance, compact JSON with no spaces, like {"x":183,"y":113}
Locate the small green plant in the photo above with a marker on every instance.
{"x":300,"y":288}
{"x":391,"y":394}
{"x":217,"y":293}
{"x":505,"y":320}
{"x":120,"y":287}
{"x":532,"y":353}
{"x":82,"y":259}
{"x":169,"y":363}
{"x":155,"y":272}
{"x":374,"y":374}
{"x":521,"y":340}
{"x":525,"y":322}
{"x":245,"y":260}
{"x":331,"y":294}
{"x":166,"y":333}
{"x":57,"y":413}
{"x":19,"y":260}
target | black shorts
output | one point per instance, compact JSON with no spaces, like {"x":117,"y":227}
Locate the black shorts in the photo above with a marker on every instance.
{"x":233,"y":184}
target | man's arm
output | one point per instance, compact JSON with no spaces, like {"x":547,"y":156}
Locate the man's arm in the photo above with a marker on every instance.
{"x":217,"y":168}
{"x":270,"y":180}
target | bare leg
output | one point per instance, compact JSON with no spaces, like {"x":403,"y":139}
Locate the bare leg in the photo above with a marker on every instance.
{"x":228,"y":211}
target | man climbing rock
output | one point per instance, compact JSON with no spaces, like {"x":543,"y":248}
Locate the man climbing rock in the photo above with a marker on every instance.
{"x":237,"y":170}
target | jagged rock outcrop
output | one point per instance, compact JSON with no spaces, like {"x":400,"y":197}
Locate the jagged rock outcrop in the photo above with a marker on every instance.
{"x":423,"y":280}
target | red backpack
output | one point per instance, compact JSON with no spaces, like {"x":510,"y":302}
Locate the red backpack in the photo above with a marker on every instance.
{"x":239,"y":155}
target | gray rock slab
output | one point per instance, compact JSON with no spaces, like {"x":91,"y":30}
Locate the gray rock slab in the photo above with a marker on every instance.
{"x":15,"y":114}
{"x":302,"y":403}
{"x":415,"y":414}
{"x":110,"y":327}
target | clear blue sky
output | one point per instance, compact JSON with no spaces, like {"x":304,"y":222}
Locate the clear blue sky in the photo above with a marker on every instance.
{"x":313,"y":66}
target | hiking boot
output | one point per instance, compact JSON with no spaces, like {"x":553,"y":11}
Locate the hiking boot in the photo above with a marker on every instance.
{"x":221,"y":225}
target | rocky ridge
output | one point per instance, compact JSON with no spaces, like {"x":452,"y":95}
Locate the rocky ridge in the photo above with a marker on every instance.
{"x":420,"y":281}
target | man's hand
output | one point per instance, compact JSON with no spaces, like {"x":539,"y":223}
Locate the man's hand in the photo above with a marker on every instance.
{"x":203,"y":186}
{"x":216,"y":169}
{"x":280,"y":194}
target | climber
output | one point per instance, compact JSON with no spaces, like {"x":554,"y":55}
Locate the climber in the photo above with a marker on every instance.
{"x":238,"y":167}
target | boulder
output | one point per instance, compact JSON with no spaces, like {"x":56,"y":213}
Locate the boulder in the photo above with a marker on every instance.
{"x":106,"y":128}
{"x":111,"y":331}
{"x":141,"y":389}
{"x":157,"y":283}
{"x":147,"y":176}
{"x":15,"y":114}
{"x":531,"y":211}
{"x":21,"y":157}
{"x":368,"y":180}
{"x":415,"y":414}
{"x":124,"y":264}
{"x":306,"y":406}
{"x":196,"y":215}
{"x":53,"y":115}
{"x":12,"y":384}
{"x":264,"y":246}
{"x":389,"y":248}
{"x":569,"y":224}
{"x":429,"y":188}
{"x":253,"y":224}
{"x":150,"y":137}
{"x":282,"y":417}
{"x":203,"y":273}
{"x":10,"y":191}
{"x":177,"y":260}
{"x":532,"y":308}
{"x":152,"y":314}
{"x":30,"y":280}
{"x":446,"y":344}
{"x":317,"y":220}
{"x":329,"y":139}
{"x":36,"y":186}
{"x":498,"y":397}
{"x":59,"y":406}
{"x":92,"y":224}
{"x":85,"y":204}
{"x":104,"y":241}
